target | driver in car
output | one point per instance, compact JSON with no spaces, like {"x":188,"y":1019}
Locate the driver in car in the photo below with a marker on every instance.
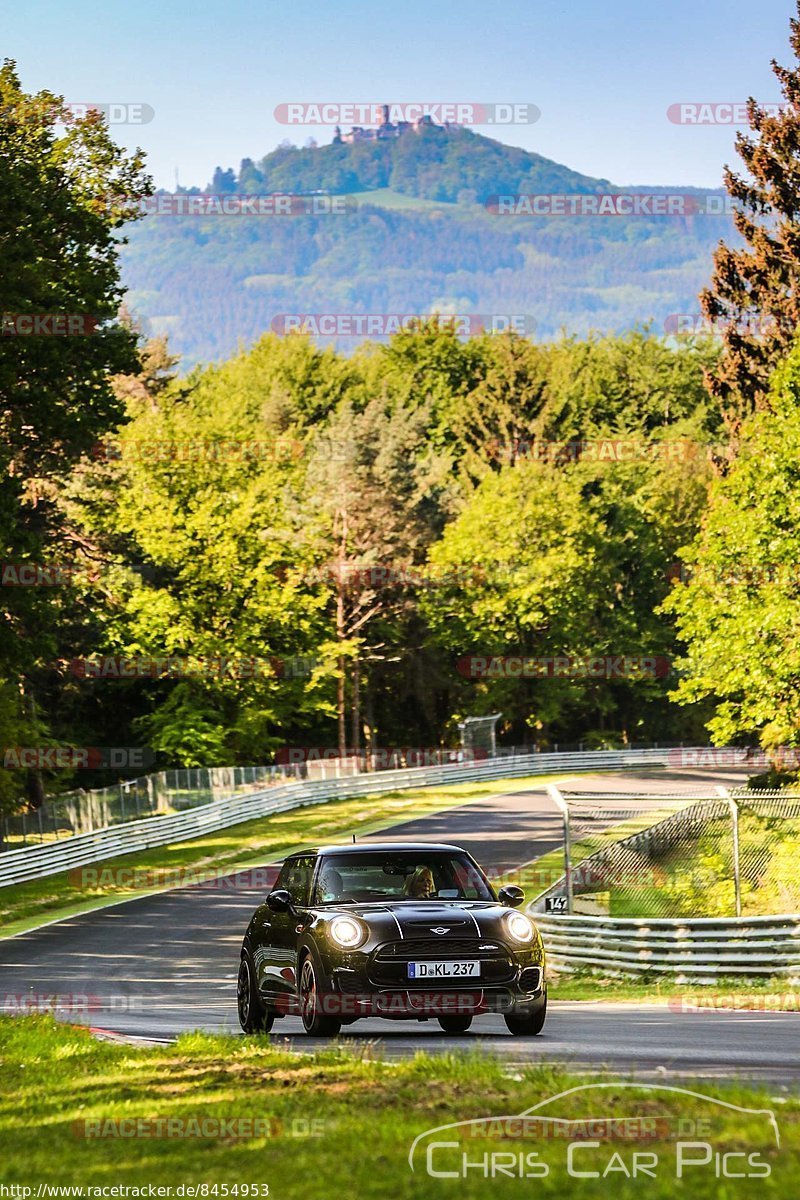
{"x":421,"y":885}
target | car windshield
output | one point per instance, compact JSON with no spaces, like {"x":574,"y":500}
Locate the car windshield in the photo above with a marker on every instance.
{"x":403,"y":875}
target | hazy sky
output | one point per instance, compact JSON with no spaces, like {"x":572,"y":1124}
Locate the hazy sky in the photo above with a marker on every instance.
{"x":603,"y":75}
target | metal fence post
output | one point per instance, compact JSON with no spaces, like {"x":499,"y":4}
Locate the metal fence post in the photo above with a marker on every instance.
{"x":737,"y":875}
{"x":563,"y":808}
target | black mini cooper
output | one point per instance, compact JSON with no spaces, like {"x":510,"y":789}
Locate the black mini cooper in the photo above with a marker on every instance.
{"x":405,"y":931}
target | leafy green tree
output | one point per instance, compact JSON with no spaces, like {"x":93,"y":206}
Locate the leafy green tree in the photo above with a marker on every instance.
{"x":381,"y":494}
{"x":63,"y":196}
{"x":739,"y":611}
{"x":547,"y":561}
{"x":430,"y":365}
{"x":206,"y":480}
{"x":528,"y":400}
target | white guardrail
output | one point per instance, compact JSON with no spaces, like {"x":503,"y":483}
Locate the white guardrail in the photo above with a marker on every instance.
{"x":35,"y":862}
{"x":697,"y":950}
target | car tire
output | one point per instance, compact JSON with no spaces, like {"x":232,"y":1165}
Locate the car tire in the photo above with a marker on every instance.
{"x":528,"y":1023}
{"x":254,"y":1017}
{"x":455,"y":1024}
{"x":315,"y":1023}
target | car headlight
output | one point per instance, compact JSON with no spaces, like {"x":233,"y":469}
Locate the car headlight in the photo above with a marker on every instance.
{"x":347,"y":932}
{"x":519,"y":927}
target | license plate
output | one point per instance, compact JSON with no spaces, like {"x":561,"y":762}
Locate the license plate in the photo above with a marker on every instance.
{"x":443,"y":970}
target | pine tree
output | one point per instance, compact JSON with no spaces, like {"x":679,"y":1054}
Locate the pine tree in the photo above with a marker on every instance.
{"x":755,"y":290}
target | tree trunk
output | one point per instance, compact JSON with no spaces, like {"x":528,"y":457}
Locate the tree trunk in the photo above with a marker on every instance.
{"x":34,"y":787}
{"x":340,"y":633}
{"x":340,"y":704}
{"x":369,"y":726}
{"x":356,"y":710}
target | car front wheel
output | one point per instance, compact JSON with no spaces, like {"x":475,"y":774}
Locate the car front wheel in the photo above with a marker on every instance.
{"x":253,"y":1016}
{"x":315,"y":1022}
{"x":528,"y":1022}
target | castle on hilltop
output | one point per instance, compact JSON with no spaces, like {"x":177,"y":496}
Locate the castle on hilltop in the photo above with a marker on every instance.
{"x":385,"y":130}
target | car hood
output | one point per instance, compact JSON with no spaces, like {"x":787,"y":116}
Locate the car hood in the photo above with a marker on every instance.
{"x":421,"y":919}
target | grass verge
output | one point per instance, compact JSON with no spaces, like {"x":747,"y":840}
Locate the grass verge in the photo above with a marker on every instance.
{"x":758,"y":995}
{"x":252,"y":843}
{"x":225,"y":1113}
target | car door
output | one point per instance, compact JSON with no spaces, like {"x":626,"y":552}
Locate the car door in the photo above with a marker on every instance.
{"x":280,"y":961}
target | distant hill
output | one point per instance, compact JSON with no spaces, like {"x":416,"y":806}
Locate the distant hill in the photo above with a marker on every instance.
{"x":419,"y":239}
{"x":451,"y":165}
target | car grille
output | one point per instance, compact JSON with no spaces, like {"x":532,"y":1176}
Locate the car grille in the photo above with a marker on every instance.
{"x":439,"y":947}
{"x":389,"y":963}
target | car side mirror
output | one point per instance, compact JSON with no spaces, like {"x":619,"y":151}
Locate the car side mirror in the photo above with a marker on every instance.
{"x":280,"y":901}
{"x":511,"y":895}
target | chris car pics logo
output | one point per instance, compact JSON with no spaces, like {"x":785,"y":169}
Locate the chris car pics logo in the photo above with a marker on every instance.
{"x":606,"y":1131}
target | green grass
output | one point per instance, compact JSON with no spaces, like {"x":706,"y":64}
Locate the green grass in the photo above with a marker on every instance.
{"x":251,"y":843}
{"x":386,"y":198}
{"x":778,"y":994}
{"x":697,"y":874}
{"x":339,"y":1124}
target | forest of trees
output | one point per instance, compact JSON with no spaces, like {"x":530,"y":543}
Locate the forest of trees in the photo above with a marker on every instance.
{"x":298,"y":548}
{"x":212,"y":284}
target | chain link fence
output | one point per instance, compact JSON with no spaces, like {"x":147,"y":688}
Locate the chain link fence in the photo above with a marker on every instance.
{"x":151,"y":795}
{"x":683,"y":856}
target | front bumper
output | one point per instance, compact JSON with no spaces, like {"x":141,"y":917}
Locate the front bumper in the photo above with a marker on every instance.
{"x":377,"y":984}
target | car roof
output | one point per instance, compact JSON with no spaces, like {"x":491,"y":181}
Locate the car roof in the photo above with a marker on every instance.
{"x":382,"y":848}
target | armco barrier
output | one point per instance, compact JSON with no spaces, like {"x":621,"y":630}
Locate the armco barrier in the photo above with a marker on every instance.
{"x":35,"y":862}
{"x":698,"y":950}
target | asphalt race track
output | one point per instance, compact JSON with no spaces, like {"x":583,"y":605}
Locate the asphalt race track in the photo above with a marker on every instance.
{"x":155,"y":966}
